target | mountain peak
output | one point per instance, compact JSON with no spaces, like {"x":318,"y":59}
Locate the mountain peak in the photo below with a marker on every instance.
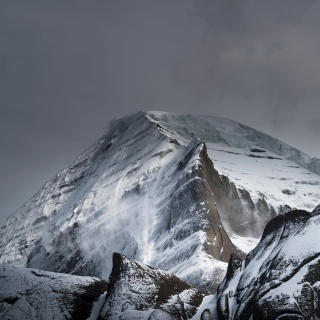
{"x":180,"y":193}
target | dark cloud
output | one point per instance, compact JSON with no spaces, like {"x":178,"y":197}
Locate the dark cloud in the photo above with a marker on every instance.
{"x":68,"y":68}
{"x":257,"y":62}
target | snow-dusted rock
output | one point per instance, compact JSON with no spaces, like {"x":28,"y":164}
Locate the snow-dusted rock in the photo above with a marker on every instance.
{"x":137,"y":291}
{"x":31,"y":294}
{"x":280,"y":277}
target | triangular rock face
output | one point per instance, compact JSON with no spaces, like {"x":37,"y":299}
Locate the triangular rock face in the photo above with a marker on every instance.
{"x":235,"y":206}
{"x":280,"y":277}
{"x":139,"y":291}
{"x":35,"y":294}
{"x":193,"y":223}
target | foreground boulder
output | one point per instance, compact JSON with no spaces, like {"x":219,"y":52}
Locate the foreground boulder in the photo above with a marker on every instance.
{"x":137,"y":291}
{"x":40,"y":295}
{"x":280,"y":278}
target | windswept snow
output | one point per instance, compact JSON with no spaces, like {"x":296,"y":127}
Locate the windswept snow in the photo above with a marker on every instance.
{"x":281,"y":181}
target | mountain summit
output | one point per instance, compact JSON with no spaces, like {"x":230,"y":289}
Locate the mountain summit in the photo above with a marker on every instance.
{"x":179,"y":193}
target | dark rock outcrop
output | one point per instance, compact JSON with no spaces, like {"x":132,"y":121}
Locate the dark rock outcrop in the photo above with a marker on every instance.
{"x":136,"y":289}
{"x":280,"y":278}
{"x":237,"y":210}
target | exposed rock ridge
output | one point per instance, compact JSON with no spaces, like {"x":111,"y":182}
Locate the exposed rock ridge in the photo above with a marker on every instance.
{"x":139,"y":290}
{"x":202,"y":184}
{"x":238,"y":212}
{"x":280,"y":277}
{"x":207,"y":128}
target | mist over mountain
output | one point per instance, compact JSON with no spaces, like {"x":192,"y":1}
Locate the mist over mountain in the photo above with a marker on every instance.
{"x":177,"y":193}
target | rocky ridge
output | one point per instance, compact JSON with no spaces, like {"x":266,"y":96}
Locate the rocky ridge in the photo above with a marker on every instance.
{"x":139,"y":291}
{"x":279,"y":279}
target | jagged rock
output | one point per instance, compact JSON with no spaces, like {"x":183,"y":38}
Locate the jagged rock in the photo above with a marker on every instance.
{"x":281,"y":275}
{"x":137,"y":290}
{"x":38,"y":295}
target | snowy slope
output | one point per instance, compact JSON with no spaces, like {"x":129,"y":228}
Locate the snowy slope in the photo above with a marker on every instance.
{"x":280,"y":277}
{"x":149,"y":190}
{"x":35,"y":294}
{"x":230,"y":133}
{"x":268,"y":169}
{"x":23,"y":228}
{"x":257,"y":170}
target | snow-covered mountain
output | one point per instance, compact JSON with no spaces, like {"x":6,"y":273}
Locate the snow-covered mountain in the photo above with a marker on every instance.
{"x":280,"y":278}
{"x":180,"y":193}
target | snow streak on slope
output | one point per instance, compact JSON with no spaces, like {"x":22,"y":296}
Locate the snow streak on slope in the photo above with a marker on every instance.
{"x":22,"y":229}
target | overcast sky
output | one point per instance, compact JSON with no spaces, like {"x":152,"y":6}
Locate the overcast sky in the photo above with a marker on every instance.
{"x":68,"y":67}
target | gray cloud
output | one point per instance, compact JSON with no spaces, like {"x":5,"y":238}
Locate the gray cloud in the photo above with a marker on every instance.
{"x":68,"y":68}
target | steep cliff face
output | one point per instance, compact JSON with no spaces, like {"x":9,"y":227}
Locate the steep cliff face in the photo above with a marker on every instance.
{"x":35,"y":294}
{"x":238,"y":212}
{"x":191,"y":224}
{"x":139,"y":291}
{"x":279,"y":279}
{"x":153,"y":191}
